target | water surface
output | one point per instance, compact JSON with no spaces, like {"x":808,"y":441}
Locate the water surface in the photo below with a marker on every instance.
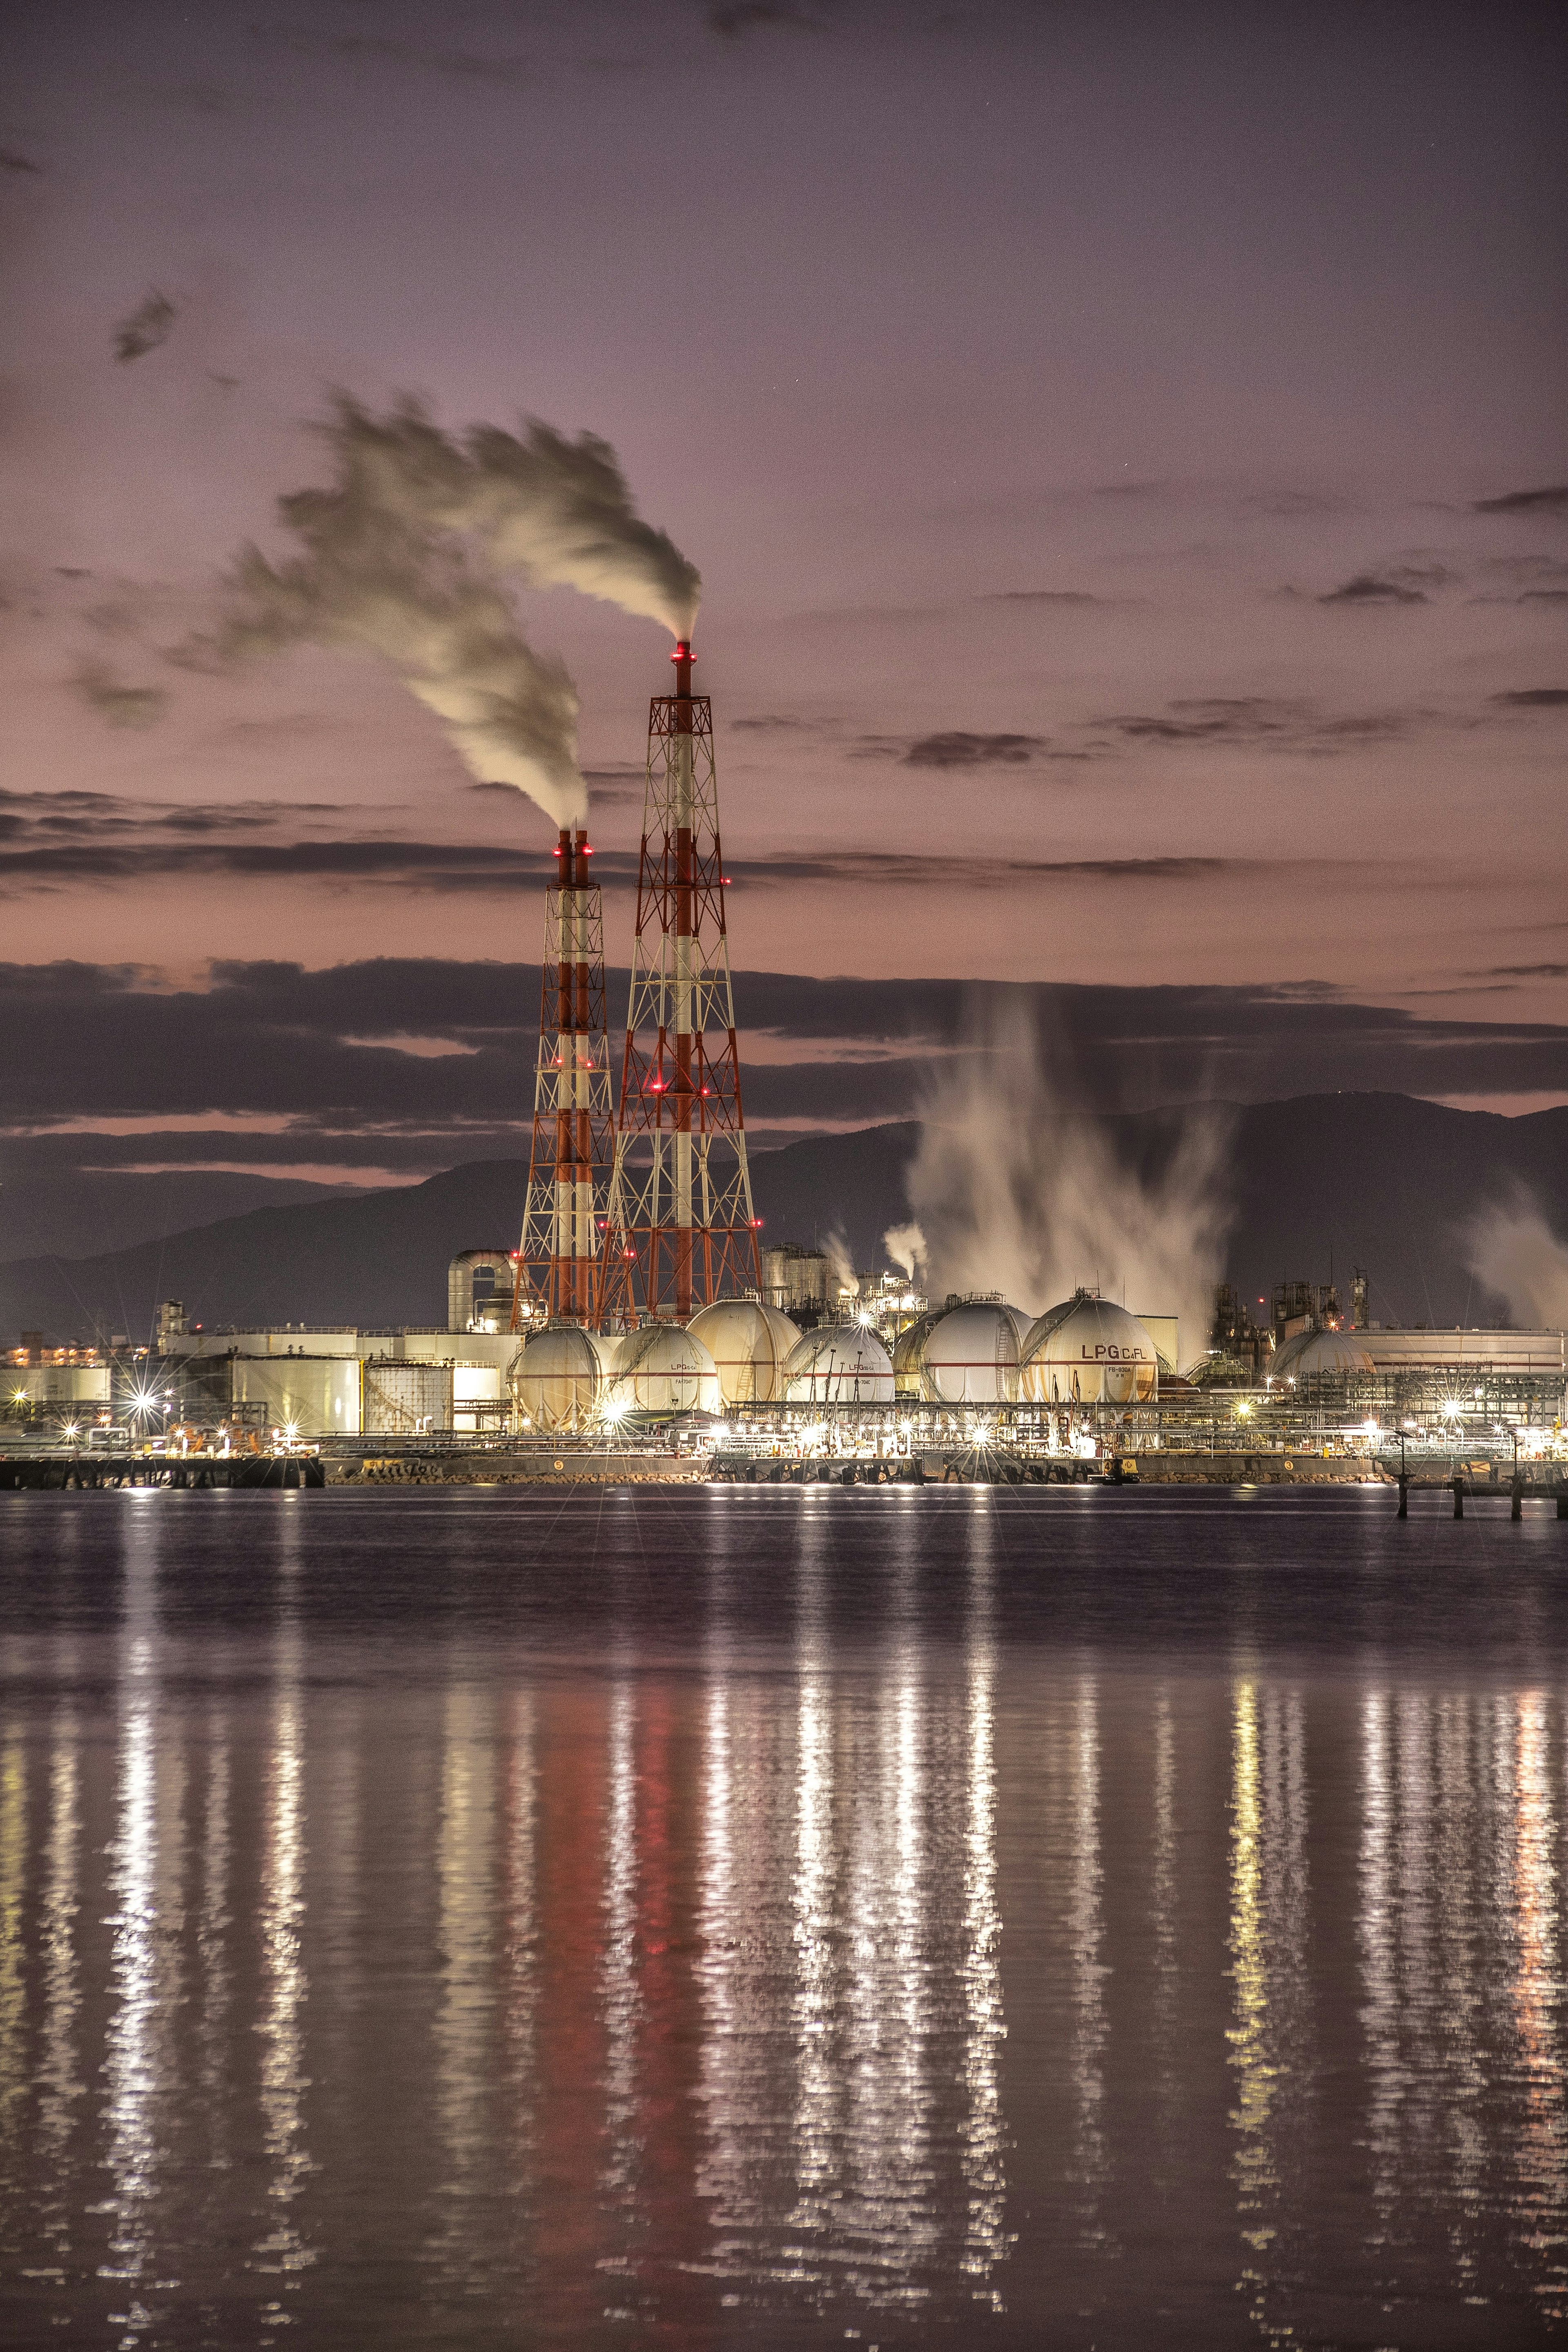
{"x":788,"y":1917}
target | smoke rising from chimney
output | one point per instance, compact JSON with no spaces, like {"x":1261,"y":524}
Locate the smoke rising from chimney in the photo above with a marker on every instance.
{"x":906,"y":1245}
{"x":1512,"y":1250}
{"x":406,"y":556}
{"x":557,"y":511}
{"x":1014,"y":1191}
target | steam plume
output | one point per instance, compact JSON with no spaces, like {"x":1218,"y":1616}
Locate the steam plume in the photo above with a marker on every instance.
{"x":556,"y":511}
{"x":1014,"y":1191}
{"x":836,"y":1250}
{"x":906,"y":1245}
{"x":406,"y":556}
{"x":1514,"y":1252}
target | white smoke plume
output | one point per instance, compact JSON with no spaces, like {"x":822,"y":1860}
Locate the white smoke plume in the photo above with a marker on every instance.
{"x":557,"y":512}
{"x":1012,"y":1191}
{"x":836,"y":1250}
{"x":1513,"y":1251}
{"x":406,"y":556}
{"x":906,"y":1246}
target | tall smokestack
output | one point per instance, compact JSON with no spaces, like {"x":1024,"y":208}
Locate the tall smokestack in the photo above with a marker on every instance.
{"x":680,"y":1230}
{"x":559,"y":1255}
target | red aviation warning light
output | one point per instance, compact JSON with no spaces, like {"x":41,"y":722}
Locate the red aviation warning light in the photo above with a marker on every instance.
{"x":681,"y":1229}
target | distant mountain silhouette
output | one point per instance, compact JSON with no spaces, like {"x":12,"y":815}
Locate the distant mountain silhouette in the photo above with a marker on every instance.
{"x":1385,"y":1181}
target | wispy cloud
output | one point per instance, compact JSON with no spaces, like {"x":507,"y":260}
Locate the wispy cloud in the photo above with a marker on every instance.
{"x":1048,"y":596}
{"x":149,"y":324}
{"x":1553,"y":500}
{"x":1255,"y":721}
{"x":1536,"y":698}
{"x":383,"y":48}
{"x":121,"y":705}
{"x":958,"y":749}
{"x":1395,"y":583}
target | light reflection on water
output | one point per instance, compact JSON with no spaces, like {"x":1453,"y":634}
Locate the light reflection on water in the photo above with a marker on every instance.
{"x":802,"y":1918}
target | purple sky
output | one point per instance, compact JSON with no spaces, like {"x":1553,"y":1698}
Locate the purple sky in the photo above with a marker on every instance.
{"x":1113,"y":441}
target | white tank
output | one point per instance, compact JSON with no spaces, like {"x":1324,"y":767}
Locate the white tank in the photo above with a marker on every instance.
{"x":1334,"y":1353}
{"x":969,"y":1355}
{"x":1088,"y":1350}
{"x":315,"y":1396}
{"x":908,"y":1375}
{"x":748,"y":1344}
{"x":662,"y":1368}
{"x":561,"y":1375}
{"x":839,"y":1364}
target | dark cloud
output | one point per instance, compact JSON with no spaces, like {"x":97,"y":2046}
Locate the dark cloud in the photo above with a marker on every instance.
{"x":872,"y":869}
{"x":770,"y":723}
{"x":1550,"y":501}
{"x":1254,"y":721}
{"x":12,"y":162}
{"x":1400,"y":583}
{"x":146,"y":327}
{"x":119,"y":704}
{"x":1544,"y":596}
{"x":80,"y":1042}
{"x":1536,"y":698}
{"x":958,"y":749}
{"x":1047,"y":596}
{"x":1521,"y":972}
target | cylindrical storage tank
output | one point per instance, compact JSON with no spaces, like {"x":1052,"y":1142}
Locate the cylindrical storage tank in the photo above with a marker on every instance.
{"x":839,"y":1364}
{"x":663,"y":1368}
{"x":1088,"y":1350}
{"x":559,"y":1376}
{"x":401,"y":1398}
{"x":315,"y":1396}
{"x":62,"y":1383}
{"x":473,"y":1388}
{"x":750,"y":1344}
{"x":969,"y":1355}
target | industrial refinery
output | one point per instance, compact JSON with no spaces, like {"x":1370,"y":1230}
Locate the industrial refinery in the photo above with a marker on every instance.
{"x":640,"y":1326}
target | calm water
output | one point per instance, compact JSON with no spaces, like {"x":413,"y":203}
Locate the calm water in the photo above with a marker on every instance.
{"x":793,"y":1916}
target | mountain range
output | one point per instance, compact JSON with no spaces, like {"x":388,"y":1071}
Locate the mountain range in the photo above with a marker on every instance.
{"x":1319,"y":1183}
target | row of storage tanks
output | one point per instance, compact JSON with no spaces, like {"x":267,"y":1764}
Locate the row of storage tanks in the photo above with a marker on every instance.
{"x":1087,"y":1351}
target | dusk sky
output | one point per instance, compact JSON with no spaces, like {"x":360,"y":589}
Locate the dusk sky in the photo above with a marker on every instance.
{"x":1126,"y":454}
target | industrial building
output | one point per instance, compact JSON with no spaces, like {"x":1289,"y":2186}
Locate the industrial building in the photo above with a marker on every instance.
{"x":640,"y":1291}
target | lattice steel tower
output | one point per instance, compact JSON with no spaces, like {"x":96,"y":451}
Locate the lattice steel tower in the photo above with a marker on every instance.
{"x":680,"y":1230}
{"x":560,"y":1256}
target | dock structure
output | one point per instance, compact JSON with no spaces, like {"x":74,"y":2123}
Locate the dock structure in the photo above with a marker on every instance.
{"x":60,"y":1472}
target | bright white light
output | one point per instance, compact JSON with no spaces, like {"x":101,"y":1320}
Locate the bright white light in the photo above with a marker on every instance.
{"x":1452,"y":1408}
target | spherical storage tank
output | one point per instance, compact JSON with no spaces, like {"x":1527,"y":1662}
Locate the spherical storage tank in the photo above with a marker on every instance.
{"x":1087,"y":1351}
{"x":561,"y":1375}
{"x":969,"y":1355}
{"x":839,"y":1364}
{"x":748,"y":1344}
{"x":1311,"y":1353}
{"x":662,"y":1368}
